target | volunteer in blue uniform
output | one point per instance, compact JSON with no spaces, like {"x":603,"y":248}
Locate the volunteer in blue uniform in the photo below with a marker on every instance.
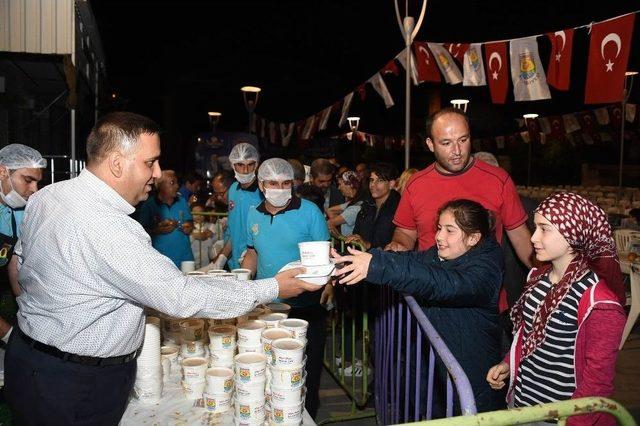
{"x":20,"y":171}
{"x":243,"y":195}
{"x":167,"y":218}
{"x":274,"y":229}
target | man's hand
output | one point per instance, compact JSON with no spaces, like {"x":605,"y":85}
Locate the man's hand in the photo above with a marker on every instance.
{"x":187,"y":228}
{"x":357,"y":239}
{"x":290,"y":286}
{"x":393,"y":246}
{"x":497,"y":375}
{"x":165,"y":226}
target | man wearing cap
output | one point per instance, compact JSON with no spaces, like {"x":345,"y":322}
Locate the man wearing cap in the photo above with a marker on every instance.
{"x":20,"y":171}
{"x":243,"y":195}
{"x":274,"y":229}
{"x":87,"y":270}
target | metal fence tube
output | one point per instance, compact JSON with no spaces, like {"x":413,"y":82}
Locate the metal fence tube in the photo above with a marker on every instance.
{"x":555,"y":410}
{"x":465,"y":393}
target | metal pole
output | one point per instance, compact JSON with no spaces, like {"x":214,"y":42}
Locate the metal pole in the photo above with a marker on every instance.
{"x":625,"y":97}
{"x":409,"y":31}
{"x":530,"y":152}
{"x":407,"y":93}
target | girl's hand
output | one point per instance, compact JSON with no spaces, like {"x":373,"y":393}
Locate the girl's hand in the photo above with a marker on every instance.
{"x":356,"y":266}
{"x":497,"y":375}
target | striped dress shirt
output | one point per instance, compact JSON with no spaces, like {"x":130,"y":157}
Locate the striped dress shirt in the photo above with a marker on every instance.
{"x":87,"y":270}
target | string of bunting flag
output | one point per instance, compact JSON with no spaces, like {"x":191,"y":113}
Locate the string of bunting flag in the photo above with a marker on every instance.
{"x":609,"y":48}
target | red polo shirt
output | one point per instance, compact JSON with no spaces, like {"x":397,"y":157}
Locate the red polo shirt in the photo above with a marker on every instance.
{"x":429,"y":189}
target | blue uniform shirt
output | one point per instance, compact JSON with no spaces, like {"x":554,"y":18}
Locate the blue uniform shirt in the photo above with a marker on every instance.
{"x":5,"y":220}
{"x":175,"y":245}
{"x":275,"y":239}
{"x":241,"y":200}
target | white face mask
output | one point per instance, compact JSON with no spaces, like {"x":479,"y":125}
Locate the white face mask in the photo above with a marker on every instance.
{"x":12,"y":199}
{"x":277,"y":197}
{"x":244,"y":178}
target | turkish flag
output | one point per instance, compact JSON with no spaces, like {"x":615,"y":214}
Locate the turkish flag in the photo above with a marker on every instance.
{"x":362,"y":91}
{"x":425,"y":63}
{"x":559,"y":68}
{"x":390,"y":68}
{"x":497,"y":65}
{"x":608,"y":55}
{"x":457,"y":50}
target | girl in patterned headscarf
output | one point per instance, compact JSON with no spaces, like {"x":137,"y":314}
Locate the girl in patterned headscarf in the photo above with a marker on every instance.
{"x":569,"y":319}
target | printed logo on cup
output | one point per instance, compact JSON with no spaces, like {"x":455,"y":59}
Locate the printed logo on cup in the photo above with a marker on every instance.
{"x":296,"y":377}
{"x":198,"y":334}
{"x":245,"y":411}
{"x":228,"y":384}
{"x":211,"y":404}
{"x":191,"y":347}
{"x":245,"y":374}
{"x":278,"y":415}
{"x":226,"y":342}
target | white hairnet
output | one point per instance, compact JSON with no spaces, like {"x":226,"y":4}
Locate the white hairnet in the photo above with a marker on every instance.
{"x":487,"y":157}
{"x":18,"y":156}
{"x":243,"y":152}
{"x":275,"y":169}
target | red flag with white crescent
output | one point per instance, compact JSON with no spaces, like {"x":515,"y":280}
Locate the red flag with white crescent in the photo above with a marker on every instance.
{"x":425,"y":63}
{"x":608,"y":56}
{"x":457,"y":50}
{"x":390,"y":68}
{"x":497,"y":65}
{"x":559,"y":69}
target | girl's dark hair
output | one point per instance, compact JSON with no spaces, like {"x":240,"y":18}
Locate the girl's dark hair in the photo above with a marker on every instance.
{"x":386,"y":171}
{"x":470,"y":216}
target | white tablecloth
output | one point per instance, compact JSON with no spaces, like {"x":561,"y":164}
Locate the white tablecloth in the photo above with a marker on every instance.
{"x":175,"y":409}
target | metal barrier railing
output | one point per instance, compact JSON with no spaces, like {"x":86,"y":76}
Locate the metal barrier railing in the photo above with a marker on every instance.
{"x":559,"y":411}
{"x":345,"y":330}
{"x":398,"y":363}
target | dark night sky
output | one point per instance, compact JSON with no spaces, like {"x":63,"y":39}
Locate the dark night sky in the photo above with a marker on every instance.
{"x":176,"y":60}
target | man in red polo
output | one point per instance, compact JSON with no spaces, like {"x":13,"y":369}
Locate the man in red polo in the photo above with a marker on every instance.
{"x":456,"y":174}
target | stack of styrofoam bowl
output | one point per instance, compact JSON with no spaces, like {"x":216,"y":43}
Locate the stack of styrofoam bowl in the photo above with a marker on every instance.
{"x":249,"y":336}
{"x":148,"y":384}
{"x":219,"y":390}
{"x":222,"y":345}
{"x":250,"y":381}
{"x":286,"y":379}
{"x":194,"y":376}
{"x":273,"y":319}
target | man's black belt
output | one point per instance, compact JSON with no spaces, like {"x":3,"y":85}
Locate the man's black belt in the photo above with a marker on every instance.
{"x":78,"y":359}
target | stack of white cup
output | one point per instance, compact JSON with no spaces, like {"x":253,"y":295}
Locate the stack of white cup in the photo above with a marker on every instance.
{"x":273,"y":319}
{"x":219,"y":391}
{"x":286,"y":379}
{"x":250,"y":382}
{"x":222,"y":345}
{"x":193,"y":376}
{"x":148,"y":384}
{"x":249,"y":333}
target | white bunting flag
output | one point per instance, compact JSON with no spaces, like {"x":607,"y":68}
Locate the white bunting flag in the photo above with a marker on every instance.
{"x":473,"y":66}
{"x":324,"y":118}
{"x":445,"y":62}
{"x":571,"y":123}
{"x":346,"y":104}
{"x":402,"y":56}
{"x":527,"y":73}
{"x":545,"y":126}
{"x":287,"y":132}
{"x":381,"y":87}
{"x":309,"y":125}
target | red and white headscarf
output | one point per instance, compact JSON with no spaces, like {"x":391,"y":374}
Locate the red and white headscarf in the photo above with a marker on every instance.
{"x":585,"y":227}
